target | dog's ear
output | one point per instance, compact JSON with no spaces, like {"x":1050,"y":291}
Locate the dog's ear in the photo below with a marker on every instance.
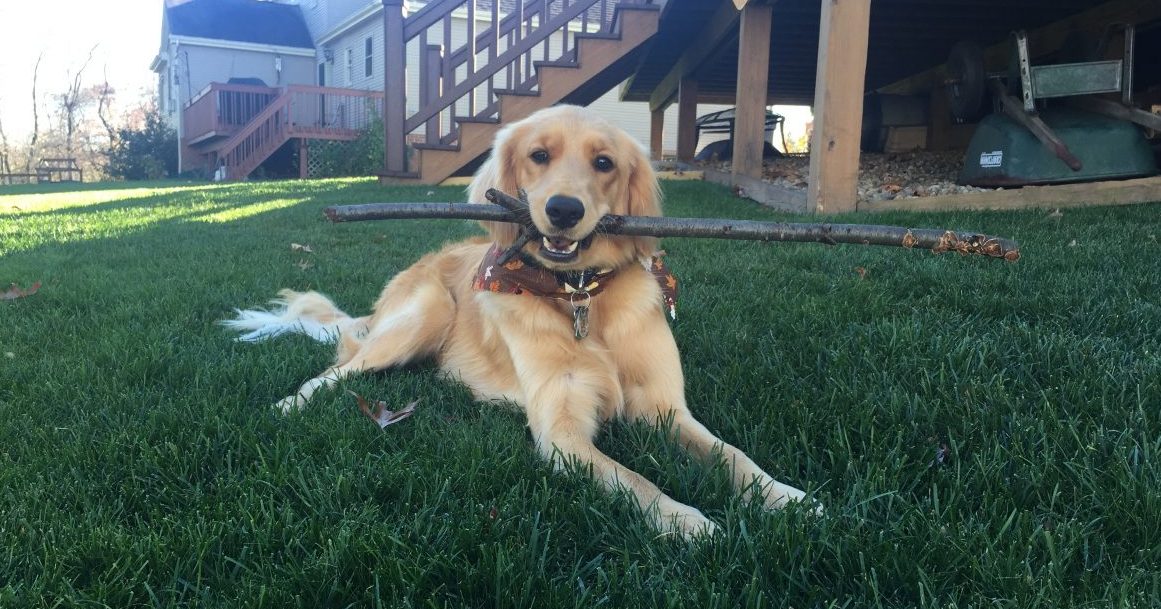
{"x":499,"y":172}
{"x":643,"y":192}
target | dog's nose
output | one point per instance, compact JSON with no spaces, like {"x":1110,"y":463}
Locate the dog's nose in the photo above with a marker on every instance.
{"x":563,"y":211}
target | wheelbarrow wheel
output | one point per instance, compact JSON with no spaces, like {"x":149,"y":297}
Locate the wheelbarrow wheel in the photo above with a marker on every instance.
{"x":966,"y":81}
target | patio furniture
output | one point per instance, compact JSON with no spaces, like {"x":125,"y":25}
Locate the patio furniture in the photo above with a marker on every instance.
{"x":722,"y":121}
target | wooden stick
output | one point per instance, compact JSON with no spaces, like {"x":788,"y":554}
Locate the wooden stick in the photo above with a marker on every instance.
{"x":936,"y":240}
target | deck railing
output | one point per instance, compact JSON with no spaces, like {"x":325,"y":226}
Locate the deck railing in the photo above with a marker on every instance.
{"x":460,"y":79}
{"x":221,"y":109}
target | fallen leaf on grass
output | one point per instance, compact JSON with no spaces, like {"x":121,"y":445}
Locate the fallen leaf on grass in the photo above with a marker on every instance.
{"x":381,"y":415}
{"x":1073,"y":243}
{"x":861,"y":271}
{"x":14,"y":291}
{"x":298,"y":247}
{"x":1056,"y":213}
{"x":304,"y":264}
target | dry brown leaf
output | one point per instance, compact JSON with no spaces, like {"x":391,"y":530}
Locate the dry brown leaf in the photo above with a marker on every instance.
{"x":298,"y":247}
{"x":381,"y":415}
{"x":892,"y":188}
{"x":861,"y":271}
{"x":14,"y":291}
{"x":1056,"y":213}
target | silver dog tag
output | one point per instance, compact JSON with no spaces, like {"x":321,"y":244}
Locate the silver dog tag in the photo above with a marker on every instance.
{"x":580,"y":314}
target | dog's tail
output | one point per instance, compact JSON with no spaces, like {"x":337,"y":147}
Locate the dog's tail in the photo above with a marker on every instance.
{"x":308,"y":313}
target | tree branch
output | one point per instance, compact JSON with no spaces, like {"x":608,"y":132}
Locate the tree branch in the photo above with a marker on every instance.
{"x":510,"y":210}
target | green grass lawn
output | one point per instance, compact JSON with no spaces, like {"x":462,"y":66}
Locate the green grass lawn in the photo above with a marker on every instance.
{"x":983,"y":434}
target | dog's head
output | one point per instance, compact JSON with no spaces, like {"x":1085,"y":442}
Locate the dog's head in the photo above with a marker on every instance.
{"x":575,"y":167}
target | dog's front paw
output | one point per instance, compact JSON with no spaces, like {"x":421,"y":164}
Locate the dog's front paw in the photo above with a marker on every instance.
{"x":777,"y":496}
{"x":289,"y":404}
{"x":687,"y":521}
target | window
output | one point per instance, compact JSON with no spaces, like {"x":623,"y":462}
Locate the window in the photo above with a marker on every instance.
{"x":367,"y":46}
{"x":350,"y":67}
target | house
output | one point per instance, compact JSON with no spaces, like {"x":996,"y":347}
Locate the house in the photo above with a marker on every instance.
{"x":240,"y":79}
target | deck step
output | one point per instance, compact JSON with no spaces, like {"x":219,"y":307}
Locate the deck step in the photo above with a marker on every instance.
{"x":596,"y":60}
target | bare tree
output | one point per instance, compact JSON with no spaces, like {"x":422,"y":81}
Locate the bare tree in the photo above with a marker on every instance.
{"x":5,"y":153}
{"x":72,"y":101}
{"x":104,"y":94}
{"x":35,"y":118}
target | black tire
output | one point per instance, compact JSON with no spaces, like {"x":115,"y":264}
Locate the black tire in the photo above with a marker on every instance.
{"x":966,"y":81}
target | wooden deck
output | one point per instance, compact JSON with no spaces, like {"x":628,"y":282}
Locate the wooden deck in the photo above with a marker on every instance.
{"x":237,"y":127}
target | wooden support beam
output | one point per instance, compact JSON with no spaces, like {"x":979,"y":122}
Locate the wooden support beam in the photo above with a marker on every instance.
{"x":753,"y":73}
{"x":656,"y":133}
{"x":394,"y":88}
{"x":721,"y":28}
{"x":686,"y":117}
{"x":303,"y":159}
{"x":838,"y":106}
{"x":938,"y":120}
{"x":1057,"y":196}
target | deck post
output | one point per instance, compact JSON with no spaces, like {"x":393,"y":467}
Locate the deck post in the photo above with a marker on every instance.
{"x":303,"y":159}
{"x":838,"y":106}
{"x":753,"y":76}
{"x":656,"y":133}
{"x":686,"y":119}
{"x":394,"y":88}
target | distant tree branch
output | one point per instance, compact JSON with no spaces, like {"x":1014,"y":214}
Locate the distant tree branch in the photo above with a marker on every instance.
{"x":104,"y":99}
{"x":35,"y":117}
{"x":71,"y":102}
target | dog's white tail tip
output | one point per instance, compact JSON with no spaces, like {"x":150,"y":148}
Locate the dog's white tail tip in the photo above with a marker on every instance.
{"x":259,"y":325}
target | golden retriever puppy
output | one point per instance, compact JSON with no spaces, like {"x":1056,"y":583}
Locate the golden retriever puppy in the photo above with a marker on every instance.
{"x":573,"y":329}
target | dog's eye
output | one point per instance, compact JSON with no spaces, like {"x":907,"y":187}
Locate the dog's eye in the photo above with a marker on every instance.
{"x":603,"y":164}
{"x":540,"y":157}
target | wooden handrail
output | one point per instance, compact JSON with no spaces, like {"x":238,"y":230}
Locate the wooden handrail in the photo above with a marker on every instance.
{"x":502,"y":60}
{"x":278,"y":103}
{"x":500,"y":56}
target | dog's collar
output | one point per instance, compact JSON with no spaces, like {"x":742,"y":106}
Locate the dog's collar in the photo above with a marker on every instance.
{"x":523,"y":275}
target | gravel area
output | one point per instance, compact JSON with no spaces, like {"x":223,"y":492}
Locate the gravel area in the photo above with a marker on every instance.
{"x":882,"y":176}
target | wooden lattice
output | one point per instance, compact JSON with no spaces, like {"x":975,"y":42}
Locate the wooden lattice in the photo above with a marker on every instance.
{"x":319,"y":151}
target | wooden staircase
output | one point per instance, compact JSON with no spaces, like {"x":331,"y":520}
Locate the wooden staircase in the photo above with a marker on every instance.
{"x":539,"y":53}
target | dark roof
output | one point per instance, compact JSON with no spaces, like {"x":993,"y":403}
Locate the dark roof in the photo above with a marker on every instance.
{"x":252,"y":21}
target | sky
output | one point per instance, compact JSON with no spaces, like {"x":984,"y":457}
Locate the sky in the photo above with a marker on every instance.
{"x":126,"y":34}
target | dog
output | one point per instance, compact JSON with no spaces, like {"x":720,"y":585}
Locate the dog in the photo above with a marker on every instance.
{"x":573,"y":329}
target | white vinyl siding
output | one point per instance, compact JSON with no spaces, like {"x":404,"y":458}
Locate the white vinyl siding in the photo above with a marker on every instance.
{"x":356,"y":38}
{"x":368,"y":55}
